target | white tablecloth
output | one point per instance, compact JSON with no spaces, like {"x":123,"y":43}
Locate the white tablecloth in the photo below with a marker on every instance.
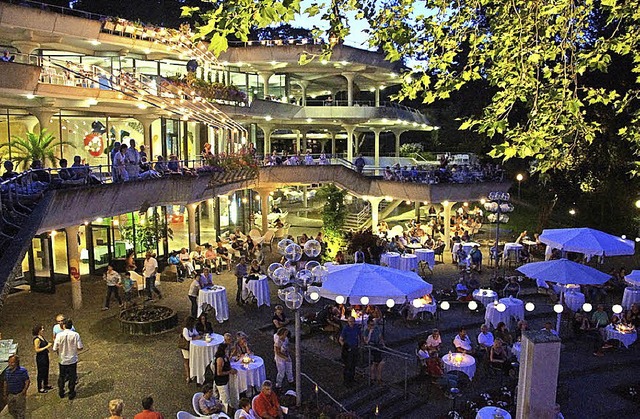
{"x":515,"y":307}
{"x":217,"y":298}
{"x":426,"y":255}
{"x":492,"y":316}
{"x":259,"y":288}
{"x":430,"y":307}
{"x":391,"y":259}
{"x":625,"y":338}
{"x":490,"y":412}
{"x":414,"y":246}
{"x":249,"y":375}
{"x":484,"y":296}
{"x":467,"y":365}
{"x":408,"y":262}
{"x":467,"y":247}
{"x":631,"y":295}
{"x":574,"y":300}
{"x":511,"y":248}
{"x":201,"y":354}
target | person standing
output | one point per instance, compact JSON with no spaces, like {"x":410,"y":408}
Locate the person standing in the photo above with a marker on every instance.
{"x":41,"y":347}
{"x":282,"y":356}
{"x":241,"y":272}
{"x":67,"y":345}
{"x":112,"y":278}
{"x":194,"y":290}
{"x":150,"y":270}
{"x":57,"y":328}
{"x":223,"y":370}
{"x":132,"y":160}
{"x":350,"y":341}
{"x":16,"y":384}
{"x":359,"y":163}
{"x":373,"y":337}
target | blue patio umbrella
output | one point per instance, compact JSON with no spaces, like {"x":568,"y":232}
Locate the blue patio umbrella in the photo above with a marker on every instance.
{"x":633,"y":278}
{"x":378,"y":283}
{"x":587,"y":241}
{"x":564,"y":271}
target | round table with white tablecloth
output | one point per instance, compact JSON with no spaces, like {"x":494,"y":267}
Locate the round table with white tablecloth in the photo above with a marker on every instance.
{"x":250,"y":375}
{"x":627,"y":338}
{"x":492,"y":412}
{"x":631,"y":295}
{"x":201,"y":353}
{"x":426,"y":255}
{"x":259,"y":288}
{"x":216,"y":297}
{"x":460,"y":362}
{"x":515,"y":307}
{"x":485,"y":296}
{"x":573,"y":299}
{"x":468,"y":246}
{"x":423,"y":306}
{"x":391,"y":259}
{"x":492,"y":316}
{"x":408,"y":262}
{"x":511,"y":248}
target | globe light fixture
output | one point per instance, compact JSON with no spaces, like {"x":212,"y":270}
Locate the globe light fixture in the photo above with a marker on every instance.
{"x":501,"y":307}
{"x":558,"y":308}
{"x":529,"y":306}
{"x":587,"y":307}
{"x":390,"y":303}
{"x":445,"y":305}
{"x":617,"y":309}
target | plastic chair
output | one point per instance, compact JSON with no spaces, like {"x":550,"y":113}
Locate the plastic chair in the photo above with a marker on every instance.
{"x":194,"y":403}
{"x":253,"y":407}
{"x":185,"y":415}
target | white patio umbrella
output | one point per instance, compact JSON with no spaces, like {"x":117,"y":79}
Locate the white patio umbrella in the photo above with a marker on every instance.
{"x":378,"y":283}
{"x":564,"y":271}
{"x":588,"y":241}
{"x":633,"y":278}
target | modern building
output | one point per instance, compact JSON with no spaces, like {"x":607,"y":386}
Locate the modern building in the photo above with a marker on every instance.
{"x":92,"y":80}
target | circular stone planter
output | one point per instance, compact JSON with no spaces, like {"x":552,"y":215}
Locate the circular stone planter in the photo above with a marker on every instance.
{"x":147,"y":320}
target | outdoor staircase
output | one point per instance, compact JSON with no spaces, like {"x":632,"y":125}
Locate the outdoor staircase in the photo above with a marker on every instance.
{"x":362,"y":219}
{"x":387,"y":398}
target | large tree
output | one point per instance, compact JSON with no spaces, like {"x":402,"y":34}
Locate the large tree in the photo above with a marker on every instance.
{"x":535,"y":55}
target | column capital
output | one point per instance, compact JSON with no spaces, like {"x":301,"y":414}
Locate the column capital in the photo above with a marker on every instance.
{"x":349,"y":76}
{"x":267,"y":129}
{"x":25,"y":47}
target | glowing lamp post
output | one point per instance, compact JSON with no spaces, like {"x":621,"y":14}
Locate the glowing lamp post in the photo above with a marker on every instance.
{"x":296,"y":286}
{"x":519,"y":179}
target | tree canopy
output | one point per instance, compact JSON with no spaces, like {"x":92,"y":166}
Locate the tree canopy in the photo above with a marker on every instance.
{"x":538,"y":58}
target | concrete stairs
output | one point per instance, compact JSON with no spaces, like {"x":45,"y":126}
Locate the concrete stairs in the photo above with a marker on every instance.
{"x":362,"y":219}
{"x":388,"y":398}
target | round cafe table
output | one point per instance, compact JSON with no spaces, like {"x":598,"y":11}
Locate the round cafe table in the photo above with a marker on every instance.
{"x":466,"y":365}
{"x":216,"y":297}
{"x":492,"y":316}
{"x":574,"y":300}
{"x":426,"y":255}
{"x":391,"y":259}
{"x":511,"y":248}
{"x":468,"y":246}
{"x":259,"y":288}
{"x":515,"y":307}
{"x":485,"y":296}
{"x":424,"y":307}
{"x":631,"y":295}
{"x":408,"y":262}
{"x":250,"y":375}
{"x":626,"y":339}
{"x":201,"y":353}
{"x":492,"y":412}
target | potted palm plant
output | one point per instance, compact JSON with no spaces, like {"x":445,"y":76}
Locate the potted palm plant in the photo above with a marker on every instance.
{"x":34,"y":146}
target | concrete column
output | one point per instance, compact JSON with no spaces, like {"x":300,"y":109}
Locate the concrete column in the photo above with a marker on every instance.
{"x":191,"y":222}
{"x":447,"y":223}
{"x":265,"y":76}
{"x":417,"y":211}
{"x":376,"y":147}
{"x":333,"y":144}
{"x":264,"y":207}
{"x":216,"y":217}
{"x":25,"y":47}
{"x":303,"y":84}
{"x":377,"y":96}
{"x":74,"y":266}
{"x":397,"y":134}
{"x":538,"y":379}
{"x":349,"y":77}
{"x":304,"y":142}
{"x":305,"y":199}
{"x":146,"y":121}
{"x":267,"y":129}
{"x":350,"y":130}
{"x":298,"y":141}
{"x":375,"y":206}
{"x":323,"y":145}
{"x":44,"y":116}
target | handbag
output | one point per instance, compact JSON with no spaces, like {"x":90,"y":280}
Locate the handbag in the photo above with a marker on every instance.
{"x":182,"y":342}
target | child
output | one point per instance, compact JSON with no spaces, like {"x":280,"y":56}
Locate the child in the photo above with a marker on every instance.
{"x":128,"y":285}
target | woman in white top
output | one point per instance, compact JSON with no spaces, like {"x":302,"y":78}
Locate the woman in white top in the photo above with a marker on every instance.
{"x":185,"y":259}
{"x":119,"y":160}
{"x":282,"y":357}
{"x":190,"y":333}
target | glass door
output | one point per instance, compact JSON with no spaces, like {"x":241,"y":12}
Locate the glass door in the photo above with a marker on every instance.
{"x":101,"y":249}
{"x":41,"y":264}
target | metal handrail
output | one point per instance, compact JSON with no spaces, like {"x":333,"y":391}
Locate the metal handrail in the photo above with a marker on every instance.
{"x":404,"y":356}
{"x":57,"y":9}
{"x":319,"y":388}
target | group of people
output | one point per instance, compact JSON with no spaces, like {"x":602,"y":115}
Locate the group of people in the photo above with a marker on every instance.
{"x":116,"y":409}
{"x":593,"y":326}
{"x":285,"y":159}
{"x":445,"y":173}
{"x":116,"y":281}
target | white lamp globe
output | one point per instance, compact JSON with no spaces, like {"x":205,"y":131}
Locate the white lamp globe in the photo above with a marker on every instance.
{"x":501,"y":307}
{"x":529,"y":306}
{"x":340,"y":299}
{"x":473,"y":305}
{"x":558,"y":308}
{"x":587,"y":307}
{"x":617,"y":309}
{"x":390,"y":303}
{"x":445,"y":305}
{"x":364,"y":300}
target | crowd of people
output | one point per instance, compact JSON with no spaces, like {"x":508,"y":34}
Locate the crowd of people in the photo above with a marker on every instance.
{"x":444,"y":173}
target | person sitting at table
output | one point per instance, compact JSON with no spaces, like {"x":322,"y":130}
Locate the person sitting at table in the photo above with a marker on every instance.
{"x":374,"y":313}
{"x":266,"y":403}
{"x":244,"y":411}
{"x":241,"y":347}
{"x":422,"y":353}
{"x":222,"y":372}
{"x":476,"y":259}
{"x":205,"y":279}
{"x":189,"y":333}
{"x":599,"y":318}
{"x":208,"y":404}
{"x":339,"y":259}
{"x":358,"y":256}
{"x":632,"y":316}
{"x":279,"y":319}
{"x":548,"y":326}
{"x":512,"y":289}
{"x":503,"y":334}
{"x":329,"y":320}
{"x":473,"y":283}
{"x":521,"y":327}
{"x":462,"y":342}
{"x":498,"y":356}
{"x":203,"y":326}
{"x":185,"y":260}
{"x":197,"y":257}
{"x":434,"y":340}
{"x":174,"y":260}
{"x":485,"y":339}
{"x":462,"y":292}
{"x":210,"y":258}
{"x":223,"y":255}
{"x":254,"y":269}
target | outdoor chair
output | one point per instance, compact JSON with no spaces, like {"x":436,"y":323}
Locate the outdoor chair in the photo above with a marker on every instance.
{"x":186,"y":415}
{"x":439,"y":252}
{"x":268,"y":238}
